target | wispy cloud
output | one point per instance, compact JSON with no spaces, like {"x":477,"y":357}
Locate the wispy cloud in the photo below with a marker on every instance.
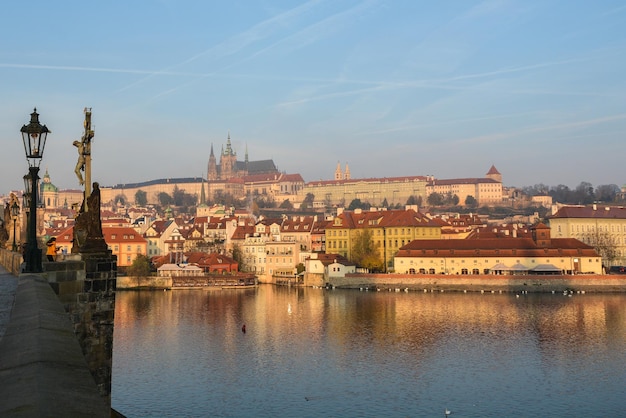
{"x":93,"y":69}
{"x":238,"y":42}
{"x":545,"y":128}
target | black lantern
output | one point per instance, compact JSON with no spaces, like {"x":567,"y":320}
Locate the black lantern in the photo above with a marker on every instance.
{"x":15,"y":211}
{"x":34,"y":136}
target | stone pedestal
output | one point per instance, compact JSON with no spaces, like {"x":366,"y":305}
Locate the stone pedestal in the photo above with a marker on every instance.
{"x":85,"y":284}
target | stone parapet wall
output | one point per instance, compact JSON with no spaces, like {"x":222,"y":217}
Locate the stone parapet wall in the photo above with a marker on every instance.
{"x":85,"y":284}
{"x":11,"y":261}
{"x":42,"y":368}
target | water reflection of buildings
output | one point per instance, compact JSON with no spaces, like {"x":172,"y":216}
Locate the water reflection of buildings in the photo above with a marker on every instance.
{"x":416,"y":323}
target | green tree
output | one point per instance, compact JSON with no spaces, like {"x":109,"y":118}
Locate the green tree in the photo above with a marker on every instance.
{"x":165,"y":199}
{"x":470,"y":201}
{"x":357,"y":204}
{"x":413,"y":200}
{"x":435,"y":199}
{"x":238,"y":256}
{"x":141,"y":198}
{"x":604,"y":243}
{"x":140,"y":267}
{"x":299,"y":268}
{"x":286,"y":205}
{"x":307,"y":203}
{"x":120,"y":199}
{"x":607,"y":192}
{"x":364,"y":251}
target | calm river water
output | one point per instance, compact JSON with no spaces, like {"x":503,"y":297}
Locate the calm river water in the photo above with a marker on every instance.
{"x":345,"y":353}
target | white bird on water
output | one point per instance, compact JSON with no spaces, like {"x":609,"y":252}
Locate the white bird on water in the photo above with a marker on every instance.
{"x":447,"y":412}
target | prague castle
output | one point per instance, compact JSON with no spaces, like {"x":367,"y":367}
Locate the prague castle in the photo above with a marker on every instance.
{"x":229,"y":168}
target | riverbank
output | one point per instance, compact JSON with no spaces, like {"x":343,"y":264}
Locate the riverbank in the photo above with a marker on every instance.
{"x":423,"y":282}
{"x":238,"y":281}
{"x":483,"y":282}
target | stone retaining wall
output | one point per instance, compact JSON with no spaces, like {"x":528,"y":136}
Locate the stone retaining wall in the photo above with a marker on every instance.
{"x":481,"y":282}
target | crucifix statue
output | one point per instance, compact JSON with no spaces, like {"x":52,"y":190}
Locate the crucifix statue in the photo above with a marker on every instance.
{"x":84,"y":154}
{"x":88,"y":226}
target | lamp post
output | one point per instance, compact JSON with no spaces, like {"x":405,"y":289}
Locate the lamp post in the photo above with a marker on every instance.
{"x":15,"y":211}
{"x":34,"y":136}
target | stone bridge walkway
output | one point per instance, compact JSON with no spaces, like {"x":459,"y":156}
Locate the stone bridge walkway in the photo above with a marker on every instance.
{"x":8,"y":287}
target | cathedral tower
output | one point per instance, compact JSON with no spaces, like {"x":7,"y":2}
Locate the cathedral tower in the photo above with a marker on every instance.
{"x":212,"y":171}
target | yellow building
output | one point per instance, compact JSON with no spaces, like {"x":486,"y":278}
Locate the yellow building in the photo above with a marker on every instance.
{"x":396,"y":190}
{"x":538,"y":254}
{"x":390,"y":229}
{"x":602,"y":227}
{"x":486,"y":191}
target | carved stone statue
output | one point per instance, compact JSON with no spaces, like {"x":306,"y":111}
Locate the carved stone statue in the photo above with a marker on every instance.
{"x":80,"y":164}
{"x":88,"y":235}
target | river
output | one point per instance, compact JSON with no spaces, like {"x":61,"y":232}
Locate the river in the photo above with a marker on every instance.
{"x":310,"y":352}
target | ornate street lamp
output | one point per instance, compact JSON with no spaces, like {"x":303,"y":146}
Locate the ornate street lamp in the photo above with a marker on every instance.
{"x":34,"y":136}
{"x":15,"y":211}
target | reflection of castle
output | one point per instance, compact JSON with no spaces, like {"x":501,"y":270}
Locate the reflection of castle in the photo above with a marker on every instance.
{"x":229,"y":167}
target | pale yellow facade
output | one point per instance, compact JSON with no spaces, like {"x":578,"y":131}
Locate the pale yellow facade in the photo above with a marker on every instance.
{"x":596,"y":226}
{"x":483,"y":264}
{"x":486,"y":191}
{"x":396,"y":190}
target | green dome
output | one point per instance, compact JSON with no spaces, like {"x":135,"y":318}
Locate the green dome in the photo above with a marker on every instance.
{"x":46,"y":185}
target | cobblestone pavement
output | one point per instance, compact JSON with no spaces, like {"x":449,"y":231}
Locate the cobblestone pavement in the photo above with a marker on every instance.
{"x":8,"y":287}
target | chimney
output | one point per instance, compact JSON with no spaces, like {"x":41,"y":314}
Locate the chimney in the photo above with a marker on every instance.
{"x":595,"y":207}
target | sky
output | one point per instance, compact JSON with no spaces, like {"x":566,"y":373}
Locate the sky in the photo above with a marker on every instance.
{"x":391,"y":88}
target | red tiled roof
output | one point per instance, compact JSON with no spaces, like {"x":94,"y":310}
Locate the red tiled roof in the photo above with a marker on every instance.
{"x":379,"y":219}
{"x":493,"y":170}
{"x":524,"y":246}
{"x":474,"y":180}
{"x":327,"y":259}
{"x":600,"y":212}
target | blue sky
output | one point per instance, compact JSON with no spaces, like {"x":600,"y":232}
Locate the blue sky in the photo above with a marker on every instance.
{"x":393,"y":88}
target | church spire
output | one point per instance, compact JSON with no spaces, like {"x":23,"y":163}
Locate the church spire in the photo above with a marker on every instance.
{"x":338,"y":173}
{"x":202,"y":194}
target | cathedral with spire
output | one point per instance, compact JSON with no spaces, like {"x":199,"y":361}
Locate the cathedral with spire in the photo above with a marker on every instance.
{"x":229,"y":167}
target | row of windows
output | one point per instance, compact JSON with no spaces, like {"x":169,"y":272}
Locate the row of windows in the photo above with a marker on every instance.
{"x":116,"y":248}
{"x":131,"y":236}
{"x":462,"y":261}
{"x":592,"y":228}
{"x":391,"y":231}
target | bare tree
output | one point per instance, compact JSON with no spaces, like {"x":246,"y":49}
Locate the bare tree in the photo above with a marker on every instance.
{"x":604,"y":243}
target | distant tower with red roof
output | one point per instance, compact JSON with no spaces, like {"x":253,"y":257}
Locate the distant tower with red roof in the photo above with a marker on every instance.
{"x":494,"y":174}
